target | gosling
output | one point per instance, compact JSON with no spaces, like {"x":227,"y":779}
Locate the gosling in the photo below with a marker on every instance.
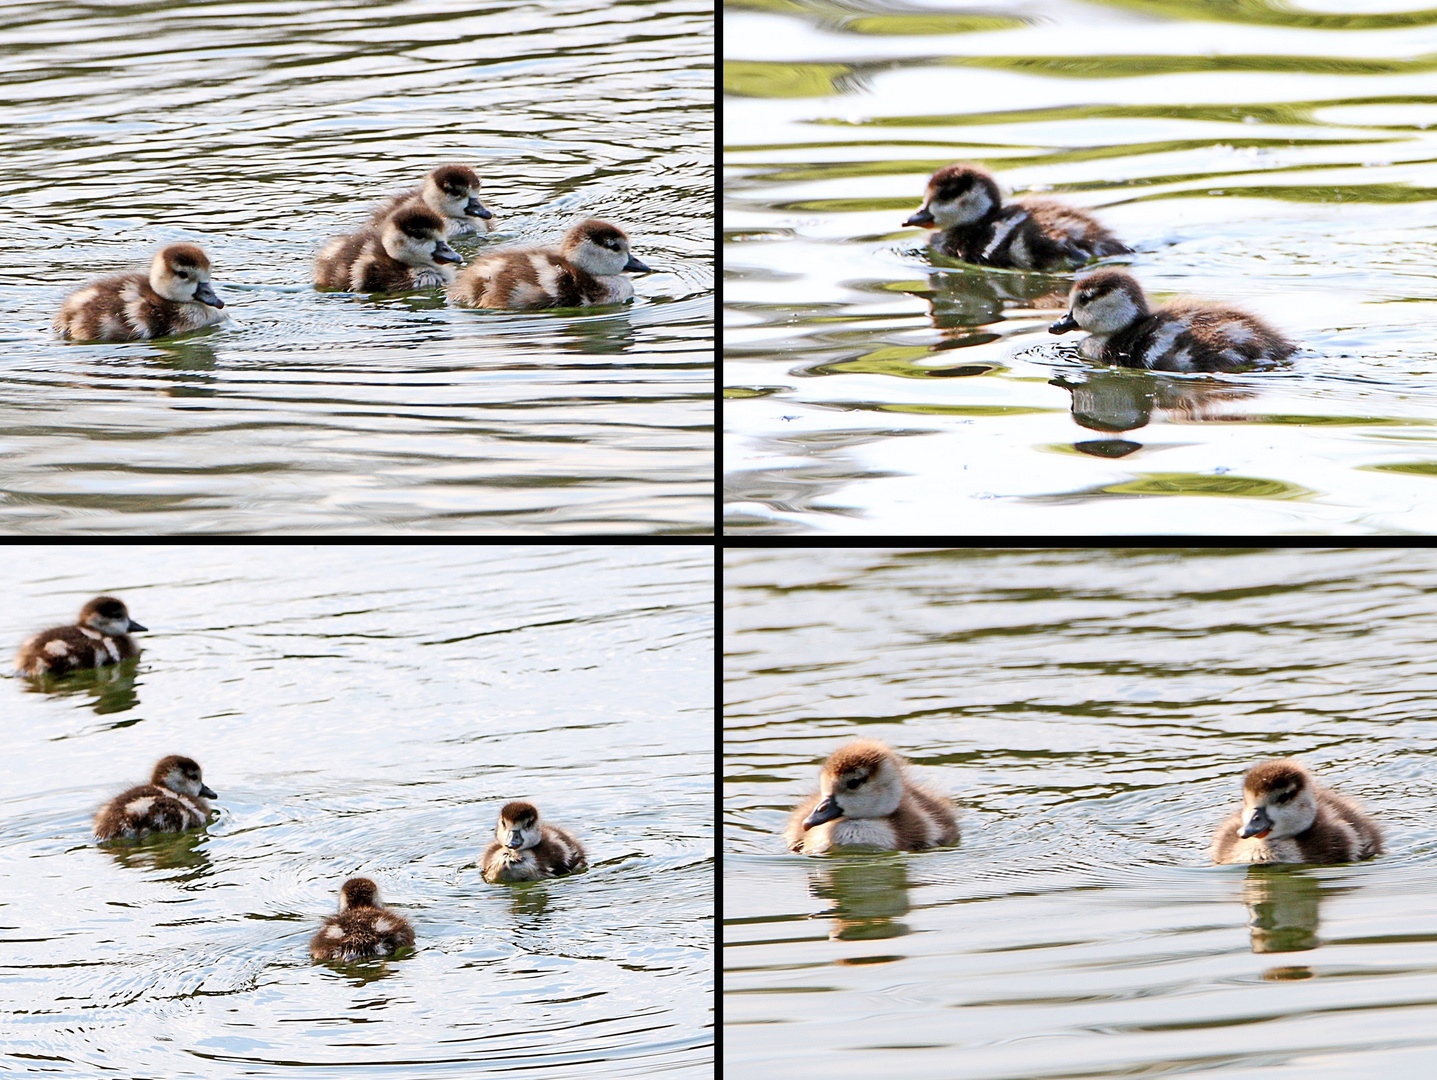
{"x":173,"y":801}
{"x":100,"y":636}
{"x":452,"y":192}
{"x":406,"y":252}
{"x":175,"y":297}
{"x":362,"y":929}
{"x":526,"y":849}
{"x":1287,"y":818}
{"x":587,"y":268}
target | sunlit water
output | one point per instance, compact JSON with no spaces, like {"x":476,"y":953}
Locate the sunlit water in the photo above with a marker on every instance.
{"x":365,"y":711}
{"x":260,"y":130}
{"x":1092,"y":712}
{"x":1251,"y":152}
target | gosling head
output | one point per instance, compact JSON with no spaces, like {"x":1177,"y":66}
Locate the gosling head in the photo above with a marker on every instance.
{"x":959,"y":194}
{"x":181,"y":272}
{"x":415,"y":237}
{"x":358,"y":892}
{"x":601,"y":249}
{"x":108,"y":616}
{"x":453,"y":191}
{"x":861,"y":780}
{"x":1103,"y":302}
{"x":1278,"y":801}
{"x":519,"y":826}
{"x":180,"y":775}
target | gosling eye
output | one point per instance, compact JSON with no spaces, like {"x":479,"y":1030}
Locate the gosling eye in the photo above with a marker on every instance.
{"x":852,"y":784}
{"x":1286,"y":796}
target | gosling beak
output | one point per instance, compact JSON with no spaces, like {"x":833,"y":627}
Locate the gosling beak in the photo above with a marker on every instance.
{"x":206,"y":792}
{"x":444,"y":253}
{"x":205,"y":295}
{"x":633,"y":266}
{"x":921,"y":218}
{"x":476,"y":209}
{"x":1063,"y":325}
{"x":512,"y":842}
{"x":134,"y":626}
{"x":1258,"y":824}
{"x":824,"y":811}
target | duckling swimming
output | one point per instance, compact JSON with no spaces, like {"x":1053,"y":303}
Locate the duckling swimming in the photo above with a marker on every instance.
{"x":452,"y":192}
{"x":173,"y":801}
{"x":100,"y":636}
{"x":587,"y":268}
{"x":866,"y":799}
{"x":963,"y":202}
{"x":1286,"y":817}
{"x":407,"y":251}
{"x":1185,"y":335}
{"x":526,"y":849}
{"x":363,"y":928}
{"x":174,"y":298}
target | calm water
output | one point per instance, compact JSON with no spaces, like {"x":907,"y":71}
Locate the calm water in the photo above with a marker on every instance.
{"x":1275,"y":155}
{"x":261,"y":129}
{"x":1092,"y":712}
{"x":366,"y":711}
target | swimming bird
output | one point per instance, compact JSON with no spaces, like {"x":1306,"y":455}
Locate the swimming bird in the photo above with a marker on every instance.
{"x":1287,"y":818}
{"x":963,"y":202}
{"x":587,"y":268}
{"x":865,"y":799}
{"x":175,"y":297}
{"x":173,"y":801}
{"x":1185,"y":335}
{"x":527,"y":849}
{"x":363,"y":928}
{"x":452,"y":192}
{"x":405,"y":252}
{"x":100,"y":636}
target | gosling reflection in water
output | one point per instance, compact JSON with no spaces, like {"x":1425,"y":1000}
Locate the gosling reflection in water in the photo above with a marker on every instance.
{"x":1122,"y":400}
{"x":110,"y":688}
{"x":961,"y":301}
{"x":867,"y":897}
{"x":164,"y":851}
{"x":1282,"y":905}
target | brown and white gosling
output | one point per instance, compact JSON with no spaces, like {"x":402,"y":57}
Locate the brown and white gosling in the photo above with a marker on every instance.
{"x":866,"y":799}
{"x":1287,"y":818}
{"x":173,"y":801}
{"x":175,"y":297}
{"x":362,"y":929}
{"x":452,"y":192}
{"x":587,"y":268}
{"x":963,"y":202}
{"x":100,"y":636}
{"x":405,"y":252}
{"x":1185,"y":335}
{"x":526,"y":849}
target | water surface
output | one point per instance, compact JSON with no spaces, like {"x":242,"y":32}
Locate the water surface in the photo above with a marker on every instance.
{"x":365,"y":711}
{"x":261,"y":129}
{"x":1274,"y":155}
{"x":1093,"y":713}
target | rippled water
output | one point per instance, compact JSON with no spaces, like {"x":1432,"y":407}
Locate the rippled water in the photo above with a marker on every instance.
{"x":261,"y":129}
{"x":365,"y":711}
{"x":1253,"y":151}
{"x":1093,"y":713}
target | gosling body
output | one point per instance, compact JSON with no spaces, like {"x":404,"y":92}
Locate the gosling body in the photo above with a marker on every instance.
{"x":452,"y":192}
{"x":964,"y":204}
{"x":1286,"y":817}
{"x":406,"y":251}
{"x":587,"y":268}
{"x":866,"y":799}
{"x":175,"y":297}
{"x":527,"y":849}
{"x":1185,"y":335}
{"x":173,"y":801}
{"x":100,"y":636}
{"x":363,"y":929}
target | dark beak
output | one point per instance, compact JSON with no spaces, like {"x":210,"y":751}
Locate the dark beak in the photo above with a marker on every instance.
{"x":512,"y":842}
{"x":444,"y":253}
{"x":135,"y":626}
{"x":1258,"y":824}
{"x":921,"y":218}
{"x":205,"y":295}
{"x":1063,"y":325}
{"x":633,"y":266}
{"x":476,"y":209}
{"x":206,"y":792}
{"x":824,"y":811}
